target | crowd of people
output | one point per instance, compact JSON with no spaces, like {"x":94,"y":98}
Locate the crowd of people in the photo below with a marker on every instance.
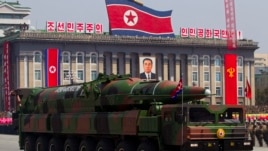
{"x":257,"y":124}
{"x":5,"y":118}
{"x":258,"y":130}
{"x":257,"y":109}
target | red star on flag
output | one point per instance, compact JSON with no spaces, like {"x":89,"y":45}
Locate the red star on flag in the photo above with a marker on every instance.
{"x":130,"y":18}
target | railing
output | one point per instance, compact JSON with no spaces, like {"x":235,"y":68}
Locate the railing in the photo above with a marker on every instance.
{"x":107,"y":39}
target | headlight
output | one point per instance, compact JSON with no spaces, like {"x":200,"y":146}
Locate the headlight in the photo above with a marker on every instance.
{"x":194,"y":145}
{"x":247,"y":143}
{"x":210,"y":145}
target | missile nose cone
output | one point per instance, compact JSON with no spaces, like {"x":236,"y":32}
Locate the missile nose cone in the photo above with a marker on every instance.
{"x":207,"y":92}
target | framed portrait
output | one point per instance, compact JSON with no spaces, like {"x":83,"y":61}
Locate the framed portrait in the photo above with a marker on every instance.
{"x":147,"y":66}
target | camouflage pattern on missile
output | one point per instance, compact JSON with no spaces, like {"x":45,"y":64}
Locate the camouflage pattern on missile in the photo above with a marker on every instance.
{"x":107,"y":93}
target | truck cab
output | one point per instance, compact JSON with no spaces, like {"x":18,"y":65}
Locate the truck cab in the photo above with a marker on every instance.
{"x":205,"y":127}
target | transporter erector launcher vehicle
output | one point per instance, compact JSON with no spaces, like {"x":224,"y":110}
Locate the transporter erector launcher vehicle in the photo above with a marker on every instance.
{"x":126,"y":114}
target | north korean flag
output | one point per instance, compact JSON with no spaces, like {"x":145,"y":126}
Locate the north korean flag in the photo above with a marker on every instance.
{"x":52,"y":67}
{"x":177,"y":90}
{"x":127,"y":17}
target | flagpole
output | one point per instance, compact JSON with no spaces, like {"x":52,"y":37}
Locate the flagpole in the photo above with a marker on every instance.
{"x":248,"y":93}
{"x":249,"y":77}
{"x":246,"y":100}
{"x":182,"y":108}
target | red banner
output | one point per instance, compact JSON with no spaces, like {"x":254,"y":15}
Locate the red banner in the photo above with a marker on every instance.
{"x":52,"y":67}
{"x":6,"y":75}
{"x":230,"y":79}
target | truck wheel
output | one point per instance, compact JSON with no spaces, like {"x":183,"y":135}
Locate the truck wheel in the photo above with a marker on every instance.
{"x":29,"y":143}
{"x":41,"y":144}
{"x":87,"y":145}
{"x":55,"y":144}
{"x":147,"y":146}
{"x":70,"y":145}
{"x":105,"y":145}
{"x":126,"y":146}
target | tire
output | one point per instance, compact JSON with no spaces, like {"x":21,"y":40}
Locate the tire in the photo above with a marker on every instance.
{"x":126,"y":146}
{"x":147,"y":146}
{"x":87,"y":145}
{"x":70,"y":145}
{"x":105,"y":145}
{"x":41,"y":144}
{"x":55,"y":144}
{"x":29,"y":143}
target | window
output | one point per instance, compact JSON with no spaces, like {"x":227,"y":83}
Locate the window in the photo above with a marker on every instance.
{"x":206,"y":61}
{"x":167,"y":116}
{"x":201,"y":115}
{"x":66,"y":57}
{"x":37,"y":74}
{"x":93,"y":58}
{"x":231,"y":116}
{"x":206,"y":88}
{"x":206,"y":76}
{"x":117,"y":66}
{"x":240,"y":91}
{"x":240,"y":77}
{"x":218,"y":91}
{"x":93,"y":75}
{"x":218,"y":76}
{"x":194,"y":78}
{"x":218,"y":102}
{"x":194,"y":61}
{"x":80,"y":75}
{"x":37,"y":57}
{"x":79,"y":58}
{"x":240,"y":62}
{"x":217,"y":61}
{"x":66,"y":74}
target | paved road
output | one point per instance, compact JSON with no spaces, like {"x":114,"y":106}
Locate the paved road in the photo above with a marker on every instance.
{"x":10,"y":143}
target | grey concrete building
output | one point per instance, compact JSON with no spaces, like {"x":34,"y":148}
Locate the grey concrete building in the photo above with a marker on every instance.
{"x":200,"y":61}
{"x":12,"y":17}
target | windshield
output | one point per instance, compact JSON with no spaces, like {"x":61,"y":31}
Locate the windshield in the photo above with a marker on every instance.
{"x":201,"y":115}
{"x":231,"y":115}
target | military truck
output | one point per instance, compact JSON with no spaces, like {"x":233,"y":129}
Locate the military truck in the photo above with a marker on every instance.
{"x":121,"y":113}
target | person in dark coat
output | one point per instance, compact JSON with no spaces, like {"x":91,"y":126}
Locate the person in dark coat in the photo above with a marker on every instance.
{"x":251,"y":129}
{"x":259,"y":133}
{"x":265,"y":133}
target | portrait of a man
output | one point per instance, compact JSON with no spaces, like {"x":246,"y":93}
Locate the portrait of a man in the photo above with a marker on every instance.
{"x":147,"y":68}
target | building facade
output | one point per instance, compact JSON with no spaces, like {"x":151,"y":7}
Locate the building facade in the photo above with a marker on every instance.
{"x":83,"y":56}
{"x":261,"y":77}
{"x":12,"y":17}
{"x":261,"y":60}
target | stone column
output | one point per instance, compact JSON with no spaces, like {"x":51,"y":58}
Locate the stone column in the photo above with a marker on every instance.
{"x":165,"y":67}
{"x":127,"y":64}
{"x":177,"y":68}
{"x":100,"y":63}
{"x":24,"y":69}
{"x":114,"y":63}
{"x":188,"y":72}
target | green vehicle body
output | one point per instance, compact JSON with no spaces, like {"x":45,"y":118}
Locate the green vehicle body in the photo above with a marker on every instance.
{"x":126,"y":114}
